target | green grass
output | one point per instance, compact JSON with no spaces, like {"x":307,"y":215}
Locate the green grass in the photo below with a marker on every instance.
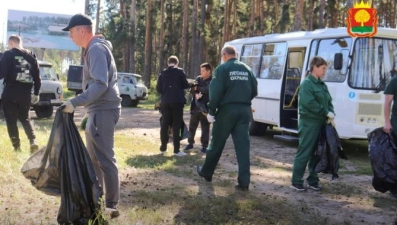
{"x":358,"y":162}
{"x":157,"y":189}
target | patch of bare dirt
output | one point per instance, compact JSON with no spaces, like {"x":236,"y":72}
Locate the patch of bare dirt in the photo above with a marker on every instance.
{"x":349,"y":200}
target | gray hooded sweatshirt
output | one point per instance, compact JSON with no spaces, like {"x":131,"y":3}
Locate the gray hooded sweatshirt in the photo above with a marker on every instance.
{"x":100,"y":89}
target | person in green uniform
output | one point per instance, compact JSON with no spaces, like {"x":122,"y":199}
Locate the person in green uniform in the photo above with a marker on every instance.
{"x":315,"y":110}
{"x":391,"y":121}
{"x":231,"y":90}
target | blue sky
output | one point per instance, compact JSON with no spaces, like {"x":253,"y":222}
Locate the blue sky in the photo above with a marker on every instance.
{"x":68,"y":7}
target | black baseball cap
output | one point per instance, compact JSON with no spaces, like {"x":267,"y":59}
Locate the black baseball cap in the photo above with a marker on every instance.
{"x":77,"y":20}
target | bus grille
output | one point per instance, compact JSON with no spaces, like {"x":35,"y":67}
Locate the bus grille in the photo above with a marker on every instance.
{"x":47,"y":96}
{"x":369,"y":109}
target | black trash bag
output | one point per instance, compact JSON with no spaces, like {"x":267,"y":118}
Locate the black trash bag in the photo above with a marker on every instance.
{"x":64,"y":168}
{"x":329,"y":151}
{"x":383,"y":155}
{"x":202,"y":108}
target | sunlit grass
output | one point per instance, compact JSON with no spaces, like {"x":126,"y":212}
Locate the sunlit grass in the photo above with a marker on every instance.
{"x":163,"y":189}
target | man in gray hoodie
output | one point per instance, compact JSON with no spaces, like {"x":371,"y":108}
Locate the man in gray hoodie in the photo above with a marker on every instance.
{"x":102,"y":100}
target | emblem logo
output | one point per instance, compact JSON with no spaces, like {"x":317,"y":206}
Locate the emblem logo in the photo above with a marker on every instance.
{"x":362,"y":20}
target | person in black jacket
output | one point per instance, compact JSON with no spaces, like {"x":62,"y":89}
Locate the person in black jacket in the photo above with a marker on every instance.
{"x":171,"y":85}
{"x":20,"y":70}
{"x":199,"y":109}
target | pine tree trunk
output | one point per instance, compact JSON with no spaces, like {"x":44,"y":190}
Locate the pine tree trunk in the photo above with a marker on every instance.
{"x":194,"y":49}
{"x":261,"y":18}
{"x":321,"y":14}
{"x":162,"y":37}
{"x":298,"y":15}
{"x":252,"y":18}
{"x":98,"y":11}
{"x":310,"y":15}
{"x":226,"y":21}
{"x":185,"y":40}
{"x":132,"y":37}
{"x":148,"y":45}
{"x":202,"y":31}
{"x":233,"y":35}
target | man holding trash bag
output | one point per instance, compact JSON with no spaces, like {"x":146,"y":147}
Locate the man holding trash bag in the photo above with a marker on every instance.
{"x":390,"y":115}
{"x":102,"y":100}
{"x":199,"y":109}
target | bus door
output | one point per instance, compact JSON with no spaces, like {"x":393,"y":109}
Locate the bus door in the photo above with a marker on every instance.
{"x":290,"y":88}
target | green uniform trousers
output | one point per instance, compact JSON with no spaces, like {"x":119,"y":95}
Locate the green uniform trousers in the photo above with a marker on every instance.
{"x":308,"y":130}
{"x":234,"y":120}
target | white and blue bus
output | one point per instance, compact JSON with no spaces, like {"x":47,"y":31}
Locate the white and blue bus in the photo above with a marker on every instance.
{"x":358,"y":71}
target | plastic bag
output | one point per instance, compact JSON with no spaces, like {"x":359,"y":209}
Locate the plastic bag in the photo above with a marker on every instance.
{"x":64,"y":168}
{"x":202,"y":108}
{"x":383,"y":155}
{"x":329,"y":150}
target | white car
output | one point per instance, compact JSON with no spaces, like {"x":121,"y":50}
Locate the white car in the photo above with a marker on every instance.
{"x":131,"y":89}
{"x":50,"y":92}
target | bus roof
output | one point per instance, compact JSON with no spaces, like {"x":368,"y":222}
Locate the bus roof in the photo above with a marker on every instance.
{"x":319,"y":33}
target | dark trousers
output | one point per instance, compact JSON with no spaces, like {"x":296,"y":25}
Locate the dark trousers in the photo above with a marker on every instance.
{"x":232,"y":120}
{"x":172,"y":115}
{"x":17,"y":110}
{"x":195,"y":119}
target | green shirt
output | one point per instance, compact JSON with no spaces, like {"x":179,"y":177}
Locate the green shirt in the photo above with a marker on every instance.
{"x":314,"y":99}
{"x":232,"y":83}
{"x":391,"y":89}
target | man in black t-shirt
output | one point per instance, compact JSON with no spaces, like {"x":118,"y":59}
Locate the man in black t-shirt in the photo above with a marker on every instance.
{"x":20,"y":70}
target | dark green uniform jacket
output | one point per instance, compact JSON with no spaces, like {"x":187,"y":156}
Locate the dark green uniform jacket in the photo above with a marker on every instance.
{"x":232,"y":83}
{"x":391,"y":89}
{"x":314,"y":99}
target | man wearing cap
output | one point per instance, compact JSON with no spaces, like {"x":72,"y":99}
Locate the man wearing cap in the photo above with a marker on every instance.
{"x":102,"y":100}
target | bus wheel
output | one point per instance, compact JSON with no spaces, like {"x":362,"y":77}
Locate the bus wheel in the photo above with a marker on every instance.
{"x":257,"y":129}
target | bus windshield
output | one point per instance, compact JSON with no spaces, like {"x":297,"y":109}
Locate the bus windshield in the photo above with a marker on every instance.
{"x":374,"y":63}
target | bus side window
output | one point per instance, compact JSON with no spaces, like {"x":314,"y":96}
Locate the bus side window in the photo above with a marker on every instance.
{"x":251,"y":56}
{"x":273,"y":61}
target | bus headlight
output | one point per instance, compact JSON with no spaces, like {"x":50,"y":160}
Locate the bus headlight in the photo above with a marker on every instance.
{"x":59,"y":90}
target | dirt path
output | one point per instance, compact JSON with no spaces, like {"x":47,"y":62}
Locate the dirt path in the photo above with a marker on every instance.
{"x":348,"y":200}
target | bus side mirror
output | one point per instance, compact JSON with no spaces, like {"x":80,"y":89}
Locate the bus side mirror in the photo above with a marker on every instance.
{"x":338,"y":61}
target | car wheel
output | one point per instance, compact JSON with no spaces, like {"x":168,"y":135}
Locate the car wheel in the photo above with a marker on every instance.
{"x":126,"y":101}
{"x":44,"y":111}
{"x":135,"y":103}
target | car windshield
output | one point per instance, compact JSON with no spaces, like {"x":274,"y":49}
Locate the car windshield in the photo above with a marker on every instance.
{"x":47,"y":73}
{"x":139,"y":80}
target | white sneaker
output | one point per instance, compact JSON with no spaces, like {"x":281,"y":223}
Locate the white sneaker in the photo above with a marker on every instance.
{"x":180,"y":153}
